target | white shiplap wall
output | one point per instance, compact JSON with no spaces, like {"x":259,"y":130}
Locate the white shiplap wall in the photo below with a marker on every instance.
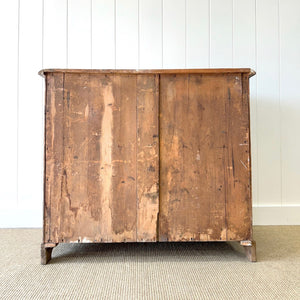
{"x":261,"y":34}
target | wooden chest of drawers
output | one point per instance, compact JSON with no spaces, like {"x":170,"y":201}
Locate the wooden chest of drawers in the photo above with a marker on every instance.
{"x":147,"y":156}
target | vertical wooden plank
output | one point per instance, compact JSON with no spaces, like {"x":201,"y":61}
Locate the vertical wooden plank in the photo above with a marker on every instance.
{"x":127,"y":52}
{"x":150,"y":34}
{"x":53,"y":168}
{"x":192,"y":182}
{"x":237,"y":159}
{"x":197,"y":33}
{"x":268,"y":110}
{"x":102,"y":158}
{"x":79,"y":34}
{"x":75,"y":217}
{"x":244,"y":55}
{"x":103,"y":34}
{"x":221,"y":34}
{"x":174,"y":34}
{"x":100,"y":171}
{"x":289,"y":100}
{"x":9,"y":103}
{"x":124,"y":204}
{"x":30,"y":137}
{"x":85,"y":208}
{"x":55,"y":34}
{"x":147,"y":157}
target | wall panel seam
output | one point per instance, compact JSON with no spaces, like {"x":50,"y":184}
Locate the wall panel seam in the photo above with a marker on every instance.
{"x":115,"y":32}
{"x":256,"y":109}
{"x":18,"y":99}
{"x":91,"y":33}
{"x":162,"y":33}
{"x":139,"y":33}
{"x":67,"y":35}
{"x":279,"y":100}
{"x":209,"y":34}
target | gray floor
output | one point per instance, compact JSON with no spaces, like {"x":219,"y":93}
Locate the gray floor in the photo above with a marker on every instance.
{"x":151,"y":271}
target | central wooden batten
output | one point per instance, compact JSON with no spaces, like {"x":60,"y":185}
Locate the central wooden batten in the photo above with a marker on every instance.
{"x":146,"y":156}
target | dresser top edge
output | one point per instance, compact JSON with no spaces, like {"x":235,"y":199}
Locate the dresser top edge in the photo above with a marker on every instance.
{"x":248,"y":71}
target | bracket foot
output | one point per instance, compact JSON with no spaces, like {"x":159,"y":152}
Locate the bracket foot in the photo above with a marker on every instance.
{"x":46,"y":251}
{"x":250,"y":249}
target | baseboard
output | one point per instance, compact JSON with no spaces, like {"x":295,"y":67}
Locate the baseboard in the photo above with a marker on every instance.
{"x":262,"y":215}
{"x":276,"y":215}
{"x":21,"y":218}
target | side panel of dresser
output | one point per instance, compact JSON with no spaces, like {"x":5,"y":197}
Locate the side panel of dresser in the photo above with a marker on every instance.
{"x":101,"y":158}
{"x":205,"y":177}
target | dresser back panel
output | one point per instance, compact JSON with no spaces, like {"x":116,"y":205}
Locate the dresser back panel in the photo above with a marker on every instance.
{"x":205,"y":188}
{"x":101,"y":150}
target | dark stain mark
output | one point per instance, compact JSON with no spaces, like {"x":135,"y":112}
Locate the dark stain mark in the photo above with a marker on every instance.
{"x":200,"y":106}
{"x":175,"y":171}
{"x":132,"y":178}
{"x":75,"y":157}
{"x":232,"y":160}
{"x":151,"y":169}
{"x":122,"y":181}
{"x":65,"y":193}
{"x":152,"y":196}
{"x":68,"y":99}
{"x":175,"y":200}
{"x":109,"y":104}
{"x":229,"y":94}
{"x":155,"y":135}
{"x":184,"y":146}
{"x":185,"y":190}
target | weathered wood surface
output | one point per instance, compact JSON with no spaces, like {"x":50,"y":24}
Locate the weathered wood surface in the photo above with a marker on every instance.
{"x":250,"y":250}
{"x":101,"y":170}
{"x":247,"y":71}
{"x":145,"y":156}
{"x":46,"y":252}
{"x":204,"y":158}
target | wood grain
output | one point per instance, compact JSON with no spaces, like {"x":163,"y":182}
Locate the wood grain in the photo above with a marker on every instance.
{"x":53,"y":172}
{"x":147,"y":157}
{"x":151,"y":71}
{"x":204,"y":134}
{"x":96,"y":176}
{"x":238,"y":172}
{"x":123,"y":154}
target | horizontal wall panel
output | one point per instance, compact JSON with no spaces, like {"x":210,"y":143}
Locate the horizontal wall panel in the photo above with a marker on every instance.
{"x":79,"y":34}
{"x":30,"y":138}
{"x":103,"y":34}
{"x":9,"y":103}
{"x":174,"y":43}
{"x":150,"y":34}
{"x":290,"y":100}
{"x":197,"y":33}
{"x":268,"y":104}
{"x":55,"y":34}
{"x":261,"y":34}
{"x":127,"y":52}
{"x":221,"y":34}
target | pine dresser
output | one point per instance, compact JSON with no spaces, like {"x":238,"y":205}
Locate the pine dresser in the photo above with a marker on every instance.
{"x":147,"y":156}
